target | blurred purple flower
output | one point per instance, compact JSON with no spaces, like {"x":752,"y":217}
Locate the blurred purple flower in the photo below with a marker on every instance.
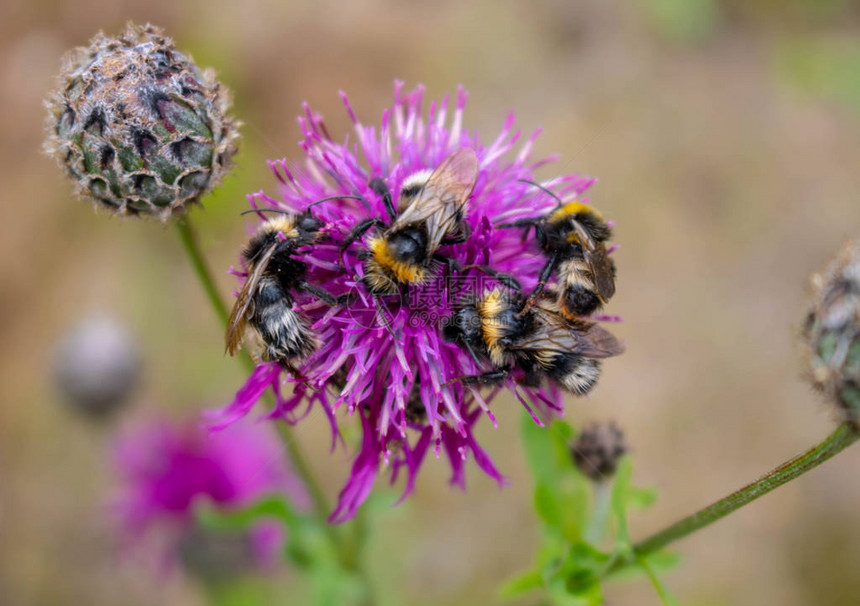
{"x":166,"y":468}
{"x":359,"y":365}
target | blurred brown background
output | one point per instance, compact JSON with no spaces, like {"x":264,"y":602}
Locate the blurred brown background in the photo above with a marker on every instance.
{"x":727,"y":139}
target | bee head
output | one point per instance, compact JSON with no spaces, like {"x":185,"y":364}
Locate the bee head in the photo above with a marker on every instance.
{"x":307,"y":224}
{"x":408,"y":246}
{"x":464,"y":326}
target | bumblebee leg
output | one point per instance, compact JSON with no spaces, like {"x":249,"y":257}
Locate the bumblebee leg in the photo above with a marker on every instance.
{"x":297,"y":374}
{"x":472,"y":353}
{"x":460,"y":238}
{"x":358,"y":231}
{"x":346,"y":298}
{"x":521,"y":223}
{"x":379,"y":186}
{"x":544,"y":276}
{"x":319,"y":293}
{"x":380,"y":311}
{"x":451,"y":266}
{"x":448,"y":262}
{"x":502,"y":278}
{"x":492,"y":377}
{"x":527,"y":223}
{"x":540,"y":233}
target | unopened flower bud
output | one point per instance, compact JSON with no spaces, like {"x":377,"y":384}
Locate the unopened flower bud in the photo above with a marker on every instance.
{"x":598,"y":449}
{"x":97,"y":366}
{"x":137,"y":126}
{"x":832,"y":331}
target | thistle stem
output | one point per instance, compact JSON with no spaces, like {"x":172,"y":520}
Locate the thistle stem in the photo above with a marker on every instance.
{"x":201,"y":268}
{"x":841,"y":438}
{"x":321,"y":508}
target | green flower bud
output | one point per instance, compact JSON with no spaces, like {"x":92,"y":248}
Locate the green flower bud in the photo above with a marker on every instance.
{"x":137,"y":126}
{"x":832,"y":332}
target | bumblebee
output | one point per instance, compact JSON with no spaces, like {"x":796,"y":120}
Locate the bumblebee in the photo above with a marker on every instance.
{"x":430,"y":213}
{"x":266,"y":299}
{"x":538,"y":341}
{"x":573,"y":237}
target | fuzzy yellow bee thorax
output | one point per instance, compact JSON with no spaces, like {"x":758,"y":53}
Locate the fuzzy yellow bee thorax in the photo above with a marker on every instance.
{"x":406,"y":273}
{"x":286,"y":224}
{"x":572,"y":208}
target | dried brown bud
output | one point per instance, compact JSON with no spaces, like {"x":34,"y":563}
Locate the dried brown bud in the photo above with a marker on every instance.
{"x":598,"y":449}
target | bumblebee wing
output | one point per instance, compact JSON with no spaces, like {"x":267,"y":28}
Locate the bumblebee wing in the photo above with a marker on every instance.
{"x":598,"y":261}
{"x":555,"y":333}
{"x":441,"y":203}
{"x":239,"y":316}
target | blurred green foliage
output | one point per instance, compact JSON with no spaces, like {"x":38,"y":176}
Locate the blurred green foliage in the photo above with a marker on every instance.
{"x":583,"y":524}
{"x":826,"y":67}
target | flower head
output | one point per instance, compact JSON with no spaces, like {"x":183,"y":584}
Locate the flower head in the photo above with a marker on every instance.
{"x":165,"y":469}
{"x":385,"y":358}
{"x":832,"y":331}
{"x":137,"y":126}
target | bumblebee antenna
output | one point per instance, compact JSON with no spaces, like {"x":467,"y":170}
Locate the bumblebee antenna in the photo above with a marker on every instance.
{"x":287,"y":212}
{"x":334,"y":198}
{"x":543,"y":189}
{"x":266,"y":210}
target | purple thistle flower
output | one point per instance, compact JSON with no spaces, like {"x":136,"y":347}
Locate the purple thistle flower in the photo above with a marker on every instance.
{"x":165,"y":469}
{"x":400,"y":386}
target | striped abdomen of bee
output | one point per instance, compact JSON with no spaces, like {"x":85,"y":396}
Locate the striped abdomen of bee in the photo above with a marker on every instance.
{"x":265,"y":302}
{"x":572,"y":238}
{"x":538,"y":341}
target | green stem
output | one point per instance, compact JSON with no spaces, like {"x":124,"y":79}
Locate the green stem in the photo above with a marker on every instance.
{"x":844,"y":435}
{"x":300,"y":464}
{"x":201,"y":268}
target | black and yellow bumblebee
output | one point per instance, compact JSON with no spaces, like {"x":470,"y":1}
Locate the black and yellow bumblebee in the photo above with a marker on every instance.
{"x":573,"y":239}
{"x":430,"y":213}
{"x":539,"y":341}
{"x":266,"y":299}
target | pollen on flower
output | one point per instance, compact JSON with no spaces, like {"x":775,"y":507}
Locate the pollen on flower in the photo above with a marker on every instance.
{"x":414,"y":365}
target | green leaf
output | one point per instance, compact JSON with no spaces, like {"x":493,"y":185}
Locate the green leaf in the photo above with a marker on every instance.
{"x":663,"y":592}
{"x":621,"y":491}
{"x":540,"y":451}
{"x":642,"y":498}
{"x":662,"y":561}
{"x":521,"y":584}
{"x":237,"y":519}
{"x":547,"y":506}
